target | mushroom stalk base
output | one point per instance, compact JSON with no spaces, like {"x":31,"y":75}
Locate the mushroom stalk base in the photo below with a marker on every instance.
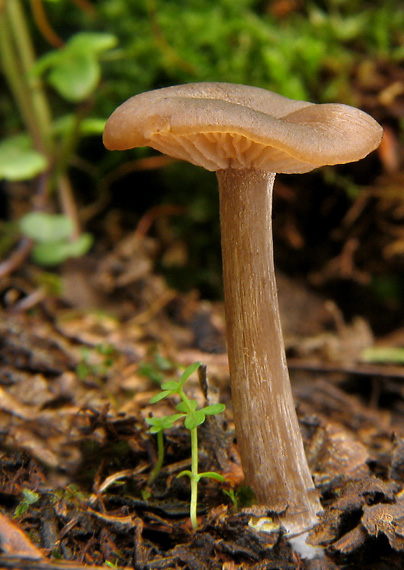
{"x":267,"y":429}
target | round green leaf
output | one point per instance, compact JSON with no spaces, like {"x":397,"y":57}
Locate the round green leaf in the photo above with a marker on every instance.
{"x":79,"y":246}
{"x":76,"y":77}
{"x":44,"y":227}
{"x":48,"y":253}
{"x":55,"y":252}
{"x":74,"y":70}
{"x":19,"y":161}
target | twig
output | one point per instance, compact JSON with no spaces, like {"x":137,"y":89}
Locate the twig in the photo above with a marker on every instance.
{"x":17,"y":563}
{"x":16,"y":258}
{"x":385,"y":371}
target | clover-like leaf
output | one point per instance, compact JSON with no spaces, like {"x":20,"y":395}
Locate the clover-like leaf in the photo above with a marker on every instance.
{"x":194,"y":420}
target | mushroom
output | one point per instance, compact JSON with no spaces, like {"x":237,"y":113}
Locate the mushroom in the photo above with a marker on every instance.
{"x":247,"y":134}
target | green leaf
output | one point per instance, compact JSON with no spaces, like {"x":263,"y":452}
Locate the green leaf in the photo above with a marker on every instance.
{"x":153,"y":421}
{"x":19,"y":161}
{"x":213,"y":409}
{"x":159,"y":396}
{"x":50,"y":253}
{"x":165,"y":422}
{"x":161,"y":362}
{"x":170,"y":385}
{"x":212,"y":475}
{"x":90,"y":126}
{"x":77,"y":77}
{"x":79,"y":246}
{"x":194,"y":420}
{"x":187,"y":407}
{"x":188,"y":371}
{"x":73,"y":70}
{"x":91,"y":42}
{"x":43,"y":227}
{"x":170,"y":420}
{"x":53,"y":253}
{"x":148,"y":370}
{"x":186,"y":473}
{"x":31,"y":497}
{"x":383,"y":355}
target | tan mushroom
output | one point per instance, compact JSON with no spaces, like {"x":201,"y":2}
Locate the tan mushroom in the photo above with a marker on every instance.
{"x":247,"y":135}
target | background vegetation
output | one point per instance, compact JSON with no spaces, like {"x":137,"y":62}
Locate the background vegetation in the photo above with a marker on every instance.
{"x":87,"y":57}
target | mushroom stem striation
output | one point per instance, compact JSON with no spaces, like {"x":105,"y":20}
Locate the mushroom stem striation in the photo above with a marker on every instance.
{"x":268,"y":433}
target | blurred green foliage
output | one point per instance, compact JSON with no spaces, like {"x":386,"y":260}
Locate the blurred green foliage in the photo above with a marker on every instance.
{"x":307,"y":54}
{"x":118,"y":48}
{"x":52,"y":237}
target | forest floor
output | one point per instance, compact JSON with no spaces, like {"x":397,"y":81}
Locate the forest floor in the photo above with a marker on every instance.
{"x":76,"y":452}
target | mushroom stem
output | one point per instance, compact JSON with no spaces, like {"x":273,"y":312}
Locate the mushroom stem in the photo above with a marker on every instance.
{"x":271,"y":448}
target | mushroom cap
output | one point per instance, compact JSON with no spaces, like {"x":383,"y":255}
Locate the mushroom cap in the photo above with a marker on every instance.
{"x":223,"y":125}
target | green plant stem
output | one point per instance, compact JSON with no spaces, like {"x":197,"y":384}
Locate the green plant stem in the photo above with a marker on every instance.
{"x":194,"y":479}
{"x":33,"y":85}
{"x":160,"y":458}
{"x":15,"y":80}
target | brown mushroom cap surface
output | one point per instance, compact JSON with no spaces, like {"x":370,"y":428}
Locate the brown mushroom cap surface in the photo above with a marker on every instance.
{"x":222,"y":125}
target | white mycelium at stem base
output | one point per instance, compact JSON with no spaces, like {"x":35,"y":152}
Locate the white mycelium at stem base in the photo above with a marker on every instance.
{"x":268,"y":433}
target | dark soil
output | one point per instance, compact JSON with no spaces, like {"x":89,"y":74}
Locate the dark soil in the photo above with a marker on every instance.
{"x":76,"y":453}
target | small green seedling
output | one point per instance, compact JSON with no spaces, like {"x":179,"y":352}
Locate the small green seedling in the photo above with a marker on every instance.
{"x":158,"y":425}
{"x":86,"y":367}
{"x":193,"y":417}
{"x":29,"y":498}
{"x":155,"y":370}
{"x":241,"y":497}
